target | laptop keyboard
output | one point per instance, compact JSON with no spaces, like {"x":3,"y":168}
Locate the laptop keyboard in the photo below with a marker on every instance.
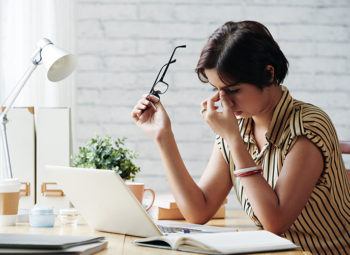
{"x":168,"y":229}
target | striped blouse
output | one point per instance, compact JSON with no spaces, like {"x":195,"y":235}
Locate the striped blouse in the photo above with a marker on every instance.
{"x":323,"y":226}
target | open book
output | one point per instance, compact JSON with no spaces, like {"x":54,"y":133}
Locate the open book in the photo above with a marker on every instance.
{"x":220,"y":243}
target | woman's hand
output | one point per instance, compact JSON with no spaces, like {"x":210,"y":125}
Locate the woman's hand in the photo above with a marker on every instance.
{"x":222,"y":123}
{"x":150,"y":115}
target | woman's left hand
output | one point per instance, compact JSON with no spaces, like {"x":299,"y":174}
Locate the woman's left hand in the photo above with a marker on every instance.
{"x":222,"y":123}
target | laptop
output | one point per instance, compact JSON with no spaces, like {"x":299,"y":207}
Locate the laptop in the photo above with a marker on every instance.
{"x":107,"y":204}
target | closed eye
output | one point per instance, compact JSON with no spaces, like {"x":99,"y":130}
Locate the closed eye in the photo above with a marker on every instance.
{"x":231,"y":90}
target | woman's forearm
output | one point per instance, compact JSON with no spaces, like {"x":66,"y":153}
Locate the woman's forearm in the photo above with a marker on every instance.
{"x":189,"y":197}
{"x":261,"y":196}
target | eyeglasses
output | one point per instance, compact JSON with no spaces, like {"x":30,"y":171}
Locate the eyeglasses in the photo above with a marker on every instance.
{"x":160,"y":86}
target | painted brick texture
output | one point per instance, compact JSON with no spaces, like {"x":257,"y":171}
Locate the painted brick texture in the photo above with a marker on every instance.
{"x":122,"y":44}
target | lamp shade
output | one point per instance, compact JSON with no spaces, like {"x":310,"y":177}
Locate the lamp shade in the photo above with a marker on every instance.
{"x":58,"y":63}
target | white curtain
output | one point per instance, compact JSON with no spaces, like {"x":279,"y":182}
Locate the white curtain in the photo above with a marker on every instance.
{"x":22,"y":24}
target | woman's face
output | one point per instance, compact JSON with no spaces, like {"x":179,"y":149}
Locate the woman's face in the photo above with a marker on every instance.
{"x":247,"y":99}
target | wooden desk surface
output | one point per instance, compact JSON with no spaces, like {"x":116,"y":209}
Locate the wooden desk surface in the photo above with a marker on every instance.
{"x":122,"y":244}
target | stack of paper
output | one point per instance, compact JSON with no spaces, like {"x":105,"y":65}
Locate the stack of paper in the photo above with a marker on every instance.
{"x":50,"y":244}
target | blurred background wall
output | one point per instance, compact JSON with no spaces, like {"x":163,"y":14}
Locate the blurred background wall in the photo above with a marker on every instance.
{"x":121,"y":44}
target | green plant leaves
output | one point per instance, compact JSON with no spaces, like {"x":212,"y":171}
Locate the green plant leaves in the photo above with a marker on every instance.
{"x":104,"y":153}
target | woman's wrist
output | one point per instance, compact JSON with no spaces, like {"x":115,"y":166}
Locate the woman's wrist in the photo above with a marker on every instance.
{"x":240,"y":154}
{"x":234,"y":140}
{"x":163,"y":135}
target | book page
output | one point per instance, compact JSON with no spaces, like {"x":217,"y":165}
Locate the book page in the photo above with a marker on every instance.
{"x":233,"y":242}
{"x":169,"y":241}
{"x":220,"y":243}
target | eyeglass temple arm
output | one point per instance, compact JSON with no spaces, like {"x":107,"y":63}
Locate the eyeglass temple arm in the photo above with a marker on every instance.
{"x":167,"y":65}
{"x":155,"y":81}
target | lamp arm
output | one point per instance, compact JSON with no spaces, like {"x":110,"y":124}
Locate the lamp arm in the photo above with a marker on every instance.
{"x":11,"y":99}
{"x":36,"y":60}
{"x":6,"y":147}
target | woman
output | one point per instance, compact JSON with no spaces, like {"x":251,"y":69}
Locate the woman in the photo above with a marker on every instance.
{"x":279,"y":154}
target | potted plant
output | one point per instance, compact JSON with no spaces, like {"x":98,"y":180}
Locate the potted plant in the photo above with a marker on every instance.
{"x":105,"y":153}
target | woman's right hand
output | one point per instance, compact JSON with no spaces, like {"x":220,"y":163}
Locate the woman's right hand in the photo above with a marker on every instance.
{"x":150,"y":115}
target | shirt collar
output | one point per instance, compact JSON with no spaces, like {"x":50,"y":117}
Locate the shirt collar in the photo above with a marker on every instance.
{"x":279,"y":120}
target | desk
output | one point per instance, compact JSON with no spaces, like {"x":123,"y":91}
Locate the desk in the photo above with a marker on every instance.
{"x":122,"y":244}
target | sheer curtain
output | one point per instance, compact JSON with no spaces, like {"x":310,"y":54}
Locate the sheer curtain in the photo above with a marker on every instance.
{"x":23,"y":23}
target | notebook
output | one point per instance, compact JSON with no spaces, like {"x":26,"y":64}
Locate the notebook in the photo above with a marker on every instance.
{"x":50,"y":244}
{"x":220,"y":243}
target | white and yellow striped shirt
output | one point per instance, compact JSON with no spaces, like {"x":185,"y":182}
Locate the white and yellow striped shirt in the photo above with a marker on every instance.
{"x":323,"y":227}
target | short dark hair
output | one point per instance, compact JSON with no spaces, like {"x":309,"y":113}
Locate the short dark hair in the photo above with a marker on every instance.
{"x":240,"y":52}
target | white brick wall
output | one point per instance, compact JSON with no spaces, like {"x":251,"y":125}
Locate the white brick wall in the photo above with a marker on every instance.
{"x":122,"y":44}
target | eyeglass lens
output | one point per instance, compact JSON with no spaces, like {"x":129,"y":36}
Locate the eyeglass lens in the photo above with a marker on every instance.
{"x":160,"y":86}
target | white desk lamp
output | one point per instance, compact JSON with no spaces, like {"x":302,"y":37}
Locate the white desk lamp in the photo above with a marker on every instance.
{"x":58,"y":63}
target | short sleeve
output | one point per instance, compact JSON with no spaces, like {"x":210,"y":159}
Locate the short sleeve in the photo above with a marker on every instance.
{"x":317,"y":127}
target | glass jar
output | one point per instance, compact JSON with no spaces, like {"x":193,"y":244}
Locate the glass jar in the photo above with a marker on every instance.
{"x":42,"y":216}
{"x":68,"y":216}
